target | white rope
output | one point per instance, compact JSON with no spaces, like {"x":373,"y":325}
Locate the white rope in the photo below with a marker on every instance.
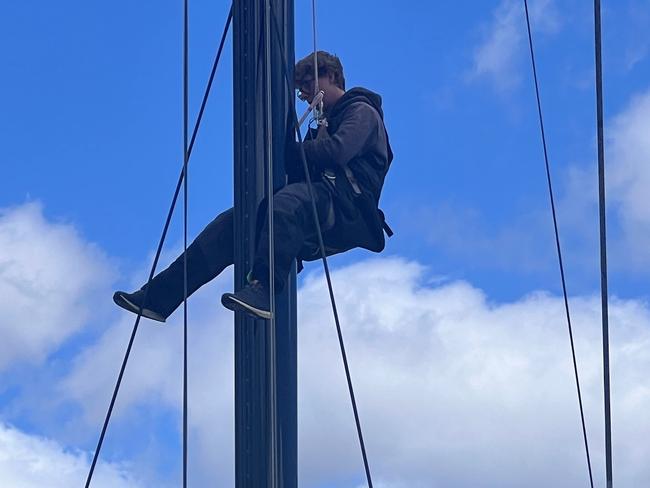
{"x":318,"y":99}
{"x":269,"y":158}
{"x":319,"y":110}
{"x":313,"y":24}
{"x":270,"y":331}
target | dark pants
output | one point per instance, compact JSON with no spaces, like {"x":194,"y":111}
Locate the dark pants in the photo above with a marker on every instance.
{"x":213,"y":249}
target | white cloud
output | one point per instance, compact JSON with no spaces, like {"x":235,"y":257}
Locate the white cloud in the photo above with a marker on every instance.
{"x":497,"y":57}
{"x":628,"y":175}
{"x":153,"y":380}
{"x":49,"y":282}
{"x":637,"y":45}
{"x":31,"y":461}
{"x":442,"y":376}
{"x":453,"y":390}
{"x":523,"y":245}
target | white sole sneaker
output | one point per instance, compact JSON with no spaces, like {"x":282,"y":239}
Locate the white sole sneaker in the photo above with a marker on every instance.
{"x":231,"y":302}
{"x":121,"y":300}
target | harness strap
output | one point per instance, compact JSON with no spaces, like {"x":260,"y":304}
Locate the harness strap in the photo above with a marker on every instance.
{"x":384,"y":224}
{"x":387,"y":229}
{"x":352,"y":179}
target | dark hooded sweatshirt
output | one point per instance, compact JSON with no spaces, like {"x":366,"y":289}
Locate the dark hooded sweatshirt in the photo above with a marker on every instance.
{"x":353,"y":159}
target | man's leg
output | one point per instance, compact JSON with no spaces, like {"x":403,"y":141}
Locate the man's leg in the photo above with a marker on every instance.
{"x":209,"y":254}
{"x":293,"y":219}
{"x":293,"y":224}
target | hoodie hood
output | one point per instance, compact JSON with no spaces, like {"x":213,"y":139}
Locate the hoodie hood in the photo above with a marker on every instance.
{"x":354,"y":95}
{"x":357,"y":95}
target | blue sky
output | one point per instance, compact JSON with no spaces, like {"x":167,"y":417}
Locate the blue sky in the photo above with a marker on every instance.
{"x":92,"y":145}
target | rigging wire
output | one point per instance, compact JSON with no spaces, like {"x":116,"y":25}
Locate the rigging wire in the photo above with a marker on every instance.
{"x":557,"y":241}
{"x":127,"y":354}
{"x":185,"y":205}
{"x":603,"y":240}
{"x":183,"y":179}
{"x":323,"y":254}
{"x":271,"y":331}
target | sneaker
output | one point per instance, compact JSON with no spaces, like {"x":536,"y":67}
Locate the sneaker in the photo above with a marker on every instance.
{"x":133,"y":303}
{"x":253,"y":299}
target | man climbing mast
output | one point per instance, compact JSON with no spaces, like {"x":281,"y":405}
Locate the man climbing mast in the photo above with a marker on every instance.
{"x":348,"y":158}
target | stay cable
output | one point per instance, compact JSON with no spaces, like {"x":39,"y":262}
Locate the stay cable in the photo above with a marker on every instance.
{"x":557,"y":242}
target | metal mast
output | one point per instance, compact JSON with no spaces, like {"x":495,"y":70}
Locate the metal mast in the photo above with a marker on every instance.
{"x":265,"y":357}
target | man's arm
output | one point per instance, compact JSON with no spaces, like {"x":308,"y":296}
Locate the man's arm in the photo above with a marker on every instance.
{"x":359,"y":122}
{"x":293,"y":162}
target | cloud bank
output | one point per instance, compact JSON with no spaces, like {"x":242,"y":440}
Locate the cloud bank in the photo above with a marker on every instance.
{"x":50,"y":282}
{"x":453,"y":390}
{"x":29,"y":461}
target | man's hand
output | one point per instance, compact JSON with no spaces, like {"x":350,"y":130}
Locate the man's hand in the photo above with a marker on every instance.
{"x":322,"y":131}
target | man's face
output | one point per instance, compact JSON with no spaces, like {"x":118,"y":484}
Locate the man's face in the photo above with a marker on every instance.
{"x":307,"y":89}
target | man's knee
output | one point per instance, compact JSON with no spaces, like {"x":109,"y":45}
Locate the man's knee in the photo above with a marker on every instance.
{"x":217,"y":237}
{"x":298,"y":191}
{"x":291,"y":198}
